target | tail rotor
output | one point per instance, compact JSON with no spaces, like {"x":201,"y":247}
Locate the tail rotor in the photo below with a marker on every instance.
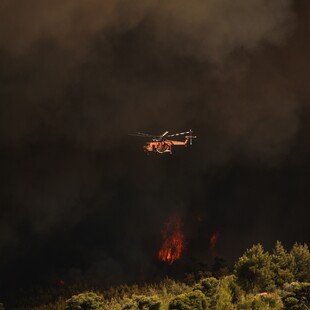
{"x":191,"y":137}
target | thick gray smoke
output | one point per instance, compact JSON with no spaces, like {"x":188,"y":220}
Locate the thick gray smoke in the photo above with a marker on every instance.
{"x":50,"y":42}
{"x":211,"y":29}
{"x":78,"y":75}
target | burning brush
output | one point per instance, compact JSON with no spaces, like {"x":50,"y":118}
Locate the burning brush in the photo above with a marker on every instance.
{"x":172,"y":247}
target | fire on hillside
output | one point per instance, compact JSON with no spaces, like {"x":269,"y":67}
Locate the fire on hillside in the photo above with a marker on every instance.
{"x":173,"y":243}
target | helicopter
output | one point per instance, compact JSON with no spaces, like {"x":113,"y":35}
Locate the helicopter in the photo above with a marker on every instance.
{"x":162,"y":144}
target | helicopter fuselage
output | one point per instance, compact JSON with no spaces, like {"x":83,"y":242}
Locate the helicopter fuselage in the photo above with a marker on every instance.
{"x":164,"y":146}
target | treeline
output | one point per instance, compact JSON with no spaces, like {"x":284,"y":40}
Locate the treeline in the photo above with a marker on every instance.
{"x":259,"y":280}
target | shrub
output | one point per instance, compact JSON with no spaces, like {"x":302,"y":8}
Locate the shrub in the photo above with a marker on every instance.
{"x":132,"y":305}
{"x":143,"y":303}
{"x":85,"y":301}
{"x":192,"y":300}
{"x":259,"y":302}
{"x":291,"y":303}
{"x":208,"y":286}
{"x":148,"y":303}
{"x":174,"y":287}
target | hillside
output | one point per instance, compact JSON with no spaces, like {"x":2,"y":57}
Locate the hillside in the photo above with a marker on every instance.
{"x":258,"y":280}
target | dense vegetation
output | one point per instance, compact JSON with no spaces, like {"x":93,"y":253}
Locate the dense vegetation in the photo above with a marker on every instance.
{"x":259,"y":280}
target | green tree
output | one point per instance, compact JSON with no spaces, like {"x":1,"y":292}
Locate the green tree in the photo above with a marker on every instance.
{"x":85,"y":301}
{"x":236,"y":291}
{"x":297,"y":296}
{"x":282,"y":265}
{"x":258,"y":302}
{"x":224,"y":294}
{"x":253,"y":270}
{"x":301,"y":257}
{"x":192,"y":300}
{"x":209,"y":287}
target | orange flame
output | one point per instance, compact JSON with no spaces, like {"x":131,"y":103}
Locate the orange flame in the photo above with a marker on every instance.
{"x":172,"y":247}
{"x":213,"y":241}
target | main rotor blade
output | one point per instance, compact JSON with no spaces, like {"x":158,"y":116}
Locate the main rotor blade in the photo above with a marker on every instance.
{"x":164,"y":134}
{"x":141,"y":134}
{"x":179,"y":134}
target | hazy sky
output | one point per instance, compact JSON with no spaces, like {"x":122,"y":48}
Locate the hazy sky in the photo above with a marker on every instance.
{"x":80,"y":199}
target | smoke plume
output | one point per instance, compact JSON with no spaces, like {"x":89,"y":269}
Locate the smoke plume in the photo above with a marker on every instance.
{"x":77,"y":76}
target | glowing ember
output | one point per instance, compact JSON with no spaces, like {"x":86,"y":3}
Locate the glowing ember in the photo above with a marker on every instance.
{"x":213,"y":241}
{"x":172,"y":247}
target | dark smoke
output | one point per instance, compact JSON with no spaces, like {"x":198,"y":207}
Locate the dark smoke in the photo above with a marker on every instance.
{"x":80,"y":199}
